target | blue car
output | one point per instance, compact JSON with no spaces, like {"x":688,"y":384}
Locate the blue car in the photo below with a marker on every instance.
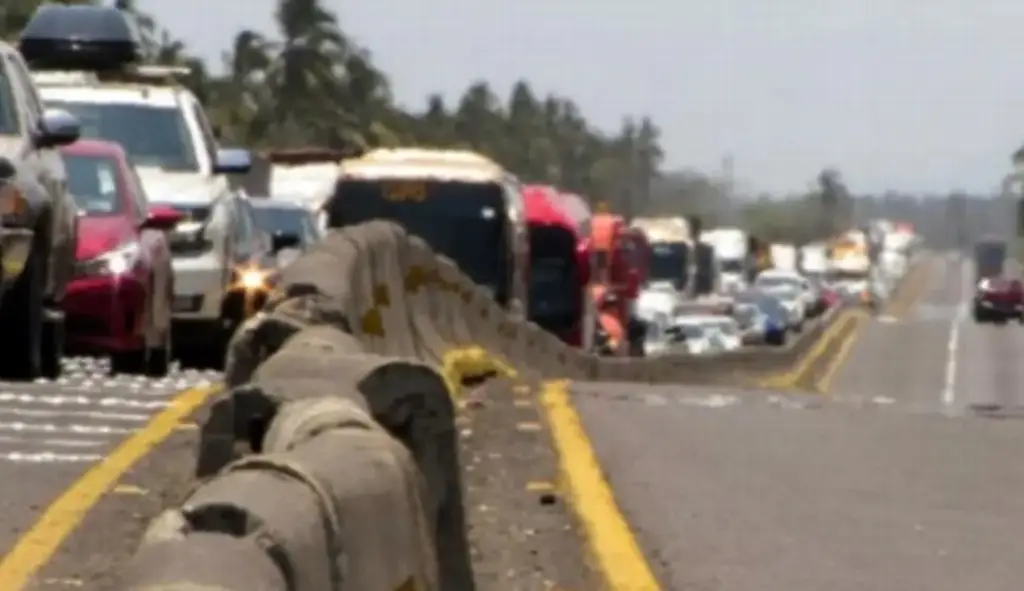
{"x":777,"y":318}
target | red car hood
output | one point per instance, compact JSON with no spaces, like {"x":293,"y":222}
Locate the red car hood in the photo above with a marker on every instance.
{"x":100,"y":234}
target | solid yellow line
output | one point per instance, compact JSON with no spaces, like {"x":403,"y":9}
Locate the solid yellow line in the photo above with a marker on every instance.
{"x":618,"y":555}
{"x":791,"y":376}
{"x":825,"y":382}
{"x":35,"y":548}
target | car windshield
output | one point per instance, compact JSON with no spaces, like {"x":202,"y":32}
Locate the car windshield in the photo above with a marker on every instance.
{"x":465,"y":221}
{"x":726,"y":327}
{"x":286,"y":220}
{"x":766,"y":303}
{"x":93,"y":184}
{"x":784,"y":292}
{"x":692,"y":331}
{"x":152,"y":136}
{"x":732,"y":265}
{"x":773,"y":281}
{"x":554,"y":287}
{"x":838,"y":276}
{"x":668,"y":263}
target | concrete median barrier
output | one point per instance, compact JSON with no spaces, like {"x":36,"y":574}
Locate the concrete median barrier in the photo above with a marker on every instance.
{"x":330,"y":461}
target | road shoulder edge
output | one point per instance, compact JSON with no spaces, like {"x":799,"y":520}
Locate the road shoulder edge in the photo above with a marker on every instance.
{"x":611,"y":541}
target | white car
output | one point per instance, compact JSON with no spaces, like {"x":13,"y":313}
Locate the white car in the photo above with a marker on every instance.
{"x":753,"y":323}
{"x":219,"y":255}
{"x":792,"y":300}
{"x":699,"y":337}
{"x":660,"y":338}
{"x":773,"y":279}
{"x":725,"y":331}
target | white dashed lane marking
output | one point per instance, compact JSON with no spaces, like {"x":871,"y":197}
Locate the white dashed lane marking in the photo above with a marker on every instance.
{"x":79,"y":417}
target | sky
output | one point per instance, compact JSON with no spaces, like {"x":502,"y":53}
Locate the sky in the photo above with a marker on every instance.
{"x":910,"y":95}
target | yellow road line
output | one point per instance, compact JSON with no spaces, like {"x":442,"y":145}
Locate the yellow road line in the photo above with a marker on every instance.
{"x":35,"y":548}
{"x":611,"y":540}
{"x":825,"y":381}
{"x":792,"y":375}
{"x":916,"y":284}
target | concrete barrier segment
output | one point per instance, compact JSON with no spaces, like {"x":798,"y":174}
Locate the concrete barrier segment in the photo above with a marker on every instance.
{"x":412,"y":401}
{"x":377,"y":507}
{"x":246,"y":501}
{"x":203,"y":561}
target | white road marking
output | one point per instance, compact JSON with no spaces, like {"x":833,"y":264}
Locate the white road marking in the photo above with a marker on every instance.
{"x":48,"y":457}
{"x":82,"y":414}
{"x":79,"y":417}
{"x":953,"y":343}
{"x":31,"y":441}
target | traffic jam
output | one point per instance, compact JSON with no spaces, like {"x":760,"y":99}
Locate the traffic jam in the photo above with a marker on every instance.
{"x":132,"y":236}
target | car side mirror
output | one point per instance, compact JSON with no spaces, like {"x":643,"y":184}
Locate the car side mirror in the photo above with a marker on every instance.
{"x":57,"y":128}
{"x":162,"y":218}
{"x":232,"y":161}
{"x":282,"y":240}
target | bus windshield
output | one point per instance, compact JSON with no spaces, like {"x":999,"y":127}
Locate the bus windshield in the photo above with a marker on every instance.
{"x":466,"y":222}
{"x":555,"y":289}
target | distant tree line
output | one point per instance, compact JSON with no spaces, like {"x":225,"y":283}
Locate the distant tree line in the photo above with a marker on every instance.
{"x":311,"y":84}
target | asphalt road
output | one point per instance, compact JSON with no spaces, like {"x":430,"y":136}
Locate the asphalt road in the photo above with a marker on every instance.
{"x":52,"y":432}
{"x":891,"y":482}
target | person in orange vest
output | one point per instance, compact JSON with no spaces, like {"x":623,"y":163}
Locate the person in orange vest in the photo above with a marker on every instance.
{"x":609,"y":317}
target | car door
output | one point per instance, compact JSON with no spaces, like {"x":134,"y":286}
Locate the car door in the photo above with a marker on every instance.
{"x":47,"y":168}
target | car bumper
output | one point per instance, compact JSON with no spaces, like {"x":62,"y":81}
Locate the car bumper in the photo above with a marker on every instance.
{"x":999,"y":308}
{"x":105,"y":314}
{"x":199,"y":288}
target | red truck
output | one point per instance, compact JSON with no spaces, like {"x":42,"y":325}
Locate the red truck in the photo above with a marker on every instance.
{"x":559,"y":269}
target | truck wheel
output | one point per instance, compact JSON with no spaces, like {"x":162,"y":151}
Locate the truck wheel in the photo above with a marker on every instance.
{"x":21,"y":324}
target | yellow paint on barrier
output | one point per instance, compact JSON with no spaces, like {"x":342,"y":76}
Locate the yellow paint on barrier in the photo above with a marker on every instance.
{"x":787,"y":379}
{"x":609,"y":536}
{"x":35,"y":548}
{"x":467,"y":362}
{"x":825,"y":381}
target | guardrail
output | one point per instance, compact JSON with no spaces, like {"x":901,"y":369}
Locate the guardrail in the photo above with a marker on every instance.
{"x":331,"y":462}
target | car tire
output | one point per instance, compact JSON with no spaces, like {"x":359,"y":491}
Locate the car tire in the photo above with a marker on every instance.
{"x":22,"y":324}
{"x":52,"y":346}
{"x":128,"y":362}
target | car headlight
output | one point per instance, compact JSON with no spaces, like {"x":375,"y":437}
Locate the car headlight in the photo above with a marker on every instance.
{"x":252,"y":279}
{"x":118,"y":261}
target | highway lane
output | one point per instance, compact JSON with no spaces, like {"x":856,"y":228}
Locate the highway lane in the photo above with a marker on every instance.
{"x":937,"y":358}
{"x":52,"y":432}
{"x":905,"y":360}
{"x":756,"y":491}
{"x":888,"y":482}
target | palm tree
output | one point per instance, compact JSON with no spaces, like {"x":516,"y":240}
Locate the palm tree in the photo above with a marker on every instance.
{"x":306,"y":73}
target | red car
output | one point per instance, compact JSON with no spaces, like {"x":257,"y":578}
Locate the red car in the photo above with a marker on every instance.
{"x":998,"y":299}
{"x":119,"y":302}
